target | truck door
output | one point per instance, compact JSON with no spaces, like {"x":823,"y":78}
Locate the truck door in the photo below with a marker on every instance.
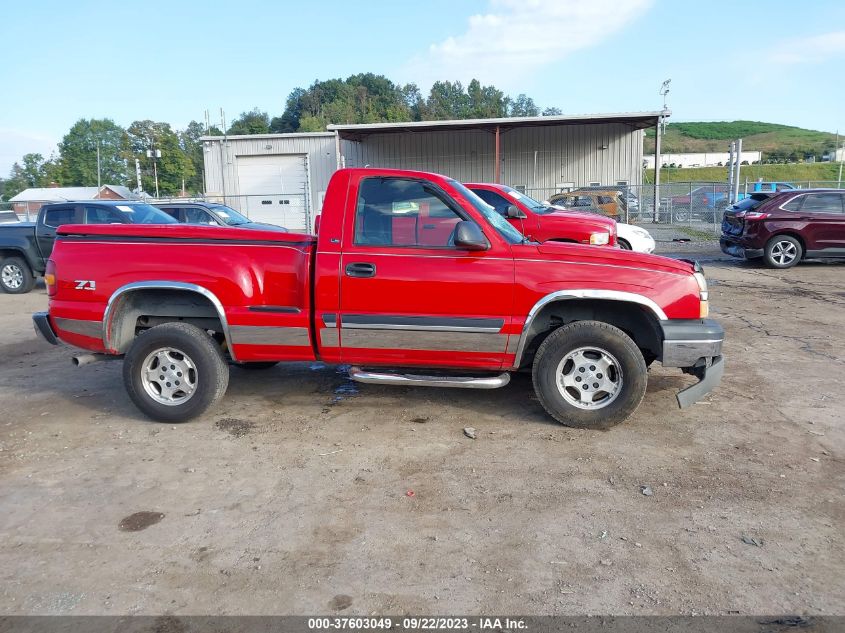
{"x":51,"y":219}
{"x":408,"y":295}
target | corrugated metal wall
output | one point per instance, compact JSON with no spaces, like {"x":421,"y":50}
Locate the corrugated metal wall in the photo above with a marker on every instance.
{"x":221,"y":162}
{"x":537,"y":158}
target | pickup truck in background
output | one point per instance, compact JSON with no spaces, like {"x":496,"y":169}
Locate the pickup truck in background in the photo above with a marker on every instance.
{"x":25,"y":246}
{"x":542,"y":222}
{"x":411,"y":280}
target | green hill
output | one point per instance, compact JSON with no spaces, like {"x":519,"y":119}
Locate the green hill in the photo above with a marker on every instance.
{"x":777,"y":142}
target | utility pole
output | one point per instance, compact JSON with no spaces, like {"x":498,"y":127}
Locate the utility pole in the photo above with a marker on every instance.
{"x":661,"y":123}
{"x":738,"y":162}
{"x":154,"y":154}
{"x":837,"y":155}
{"x":138,"y":174}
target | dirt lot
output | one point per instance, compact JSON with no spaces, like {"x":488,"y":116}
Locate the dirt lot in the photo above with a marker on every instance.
{"x":294,"y":496}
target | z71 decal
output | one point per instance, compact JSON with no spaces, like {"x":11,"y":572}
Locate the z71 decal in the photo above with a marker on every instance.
{"x":85,"y":284}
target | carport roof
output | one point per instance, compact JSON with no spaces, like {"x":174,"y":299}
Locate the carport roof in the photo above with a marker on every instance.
{"x":637,"y":120}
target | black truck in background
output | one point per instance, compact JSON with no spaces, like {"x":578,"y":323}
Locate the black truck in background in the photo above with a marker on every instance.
{"x":26,"y":246}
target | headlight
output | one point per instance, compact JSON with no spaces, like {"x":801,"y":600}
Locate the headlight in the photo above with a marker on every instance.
{"x":599,"y":239}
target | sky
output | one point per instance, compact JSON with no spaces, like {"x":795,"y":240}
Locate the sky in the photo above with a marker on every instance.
{"x":774,"y":60}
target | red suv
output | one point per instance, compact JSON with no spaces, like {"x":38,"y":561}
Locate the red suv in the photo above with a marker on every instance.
{"x":785,"y":227}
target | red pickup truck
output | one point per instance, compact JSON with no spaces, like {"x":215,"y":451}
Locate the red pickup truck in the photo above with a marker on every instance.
{"x":411,"y":279}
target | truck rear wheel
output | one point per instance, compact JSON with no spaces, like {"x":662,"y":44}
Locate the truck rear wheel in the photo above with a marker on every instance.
{"x":15,"y":276}
{"x":589,"y":375}
{"x":174,"y":372}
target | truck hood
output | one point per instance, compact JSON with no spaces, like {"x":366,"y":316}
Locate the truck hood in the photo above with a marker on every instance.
{"x":556,"y":251}
{"x":592,"y":220}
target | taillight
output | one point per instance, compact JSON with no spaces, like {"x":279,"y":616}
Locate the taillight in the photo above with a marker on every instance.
{"x":50,"y":277}
{"x":752,"y":215}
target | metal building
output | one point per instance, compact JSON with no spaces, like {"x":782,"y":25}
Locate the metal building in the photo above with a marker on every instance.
{"x":282,"y":178}
{"x":539,"y":155}
{"x":275,"y":178}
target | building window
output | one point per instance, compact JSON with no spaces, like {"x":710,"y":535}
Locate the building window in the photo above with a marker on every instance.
{"x":519,"y":188}
{"x":622,"y":183}
{"x":595,"y":184}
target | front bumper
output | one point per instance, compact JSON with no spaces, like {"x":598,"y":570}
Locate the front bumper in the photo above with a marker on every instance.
{"x":694,"y":345}
{"x":41,"y":322}
{"x":735,"y":249}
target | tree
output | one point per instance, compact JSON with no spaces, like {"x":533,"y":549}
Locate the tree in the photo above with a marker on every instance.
{"x":253,"y":122}
{"x":191,"y":145}
{"x":31,"y":171}
{"x":289,"y":121}
{"x":523,"y":105}
{"x":174,"y":166}
{"x":552,"y":112}
{"x":78,"y":153}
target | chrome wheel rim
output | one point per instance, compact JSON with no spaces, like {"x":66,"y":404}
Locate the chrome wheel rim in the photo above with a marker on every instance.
{"x":589,"y":378}
{"x":169,"y":376}
{"x":784,"y":252}
{"x":12,"y":276}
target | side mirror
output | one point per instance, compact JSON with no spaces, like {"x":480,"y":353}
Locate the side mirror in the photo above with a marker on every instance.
{"x":514,"y":213}
{"x":317,"y":225}
{"x":470,"y":237}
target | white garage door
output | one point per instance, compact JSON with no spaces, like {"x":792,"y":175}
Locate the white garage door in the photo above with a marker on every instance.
{"x":272,"y":189}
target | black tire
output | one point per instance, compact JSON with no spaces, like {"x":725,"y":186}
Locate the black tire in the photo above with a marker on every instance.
{"x":16,"y":278}
{"x":624,"y":244}
{"x":264,"y":364}
{"x":783,"y":251}
{"x":590,"y":334}
{"x":210,"y":376}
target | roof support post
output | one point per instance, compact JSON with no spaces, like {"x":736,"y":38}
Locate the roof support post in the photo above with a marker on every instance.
{"x":657,"y":160}
{"x":497,"y":171}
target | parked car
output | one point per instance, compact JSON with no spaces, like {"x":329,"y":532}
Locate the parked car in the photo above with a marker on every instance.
{"x":25,"y":246}
{"x":211,"y":213}
{"x":784,"y":228}
{"x":634,"y":238}
{"x":543,"y":223}
{"x":605,"y":202}
{"x":704,"y":203}
{"x":629,"y":199}
{"x":411,"y":279}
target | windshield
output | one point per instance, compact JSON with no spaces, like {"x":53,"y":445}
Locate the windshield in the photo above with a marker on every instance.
{"x":502,"y":226}
{"x":140,"y":213}
{"x":228,"y":215}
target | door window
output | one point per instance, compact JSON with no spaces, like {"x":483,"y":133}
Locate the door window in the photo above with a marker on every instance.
{"x":401,"y":212}
{"x":173,"y":212}
{"x":194,"y":215}
{"x":822,"y":203}
{"x":103,"y":215}
{"x":55,"y":217}
{"x":498,"y":202}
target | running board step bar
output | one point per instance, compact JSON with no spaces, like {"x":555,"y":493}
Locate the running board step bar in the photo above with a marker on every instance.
{"x":419,"y":380}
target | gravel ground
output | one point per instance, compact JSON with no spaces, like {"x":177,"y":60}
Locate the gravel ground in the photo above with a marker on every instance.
{"x":303,"y":493}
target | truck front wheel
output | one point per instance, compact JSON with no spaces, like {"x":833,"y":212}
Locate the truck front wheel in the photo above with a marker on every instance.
{"x":15,"y":276}
{"x":589,"y":375}
{"x":174,"y":372}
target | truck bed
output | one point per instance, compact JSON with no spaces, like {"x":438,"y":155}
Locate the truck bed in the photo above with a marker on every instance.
{"x":259,"y":279}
